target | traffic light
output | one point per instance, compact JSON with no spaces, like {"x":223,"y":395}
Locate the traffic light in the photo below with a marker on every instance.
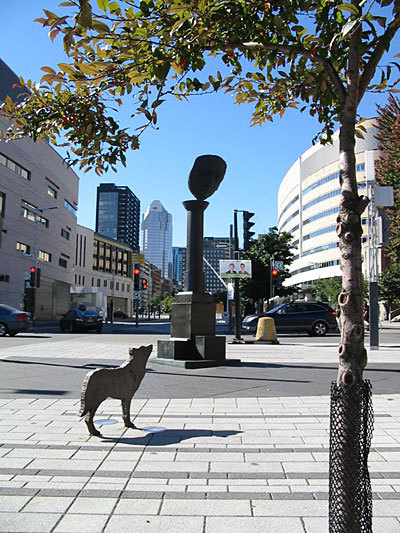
{"x":247,"y":234}
{"x":32,"y":278}
{"x":144,"y":284}
{"x":275,"y":277}
{"x":136,"y":277}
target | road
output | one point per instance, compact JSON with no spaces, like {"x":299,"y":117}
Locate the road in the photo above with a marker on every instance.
{"x":46,"y":363}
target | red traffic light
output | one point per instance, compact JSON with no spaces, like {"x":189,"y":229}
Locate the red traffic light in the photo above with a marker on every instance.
{"x":274,"y":272}
{"x":144,"y":284}
{"x":32,"y":270}
{"x":136,"y":271}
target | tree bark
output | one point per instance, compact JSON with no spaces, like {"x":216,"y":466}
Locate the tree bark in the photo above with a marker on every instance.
{"x":352,"y":353}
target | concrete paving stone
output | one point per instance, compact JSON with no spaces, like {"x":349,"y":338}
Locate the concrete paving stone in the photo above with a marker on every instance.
{"x":259,"y":488}
{"x":9,"y":438}
{"x":54,"y":485}
{"x":142,"y":495}
{"x":237,"y":482}
{"x":154,"y":524}
{"x":193,"y":507}
{"x":160,"y":456}
{"x":157,"y":488}
{"x":70,"y":479}
{"x":381,"y":467}
{"x":182,"y":466}
{"x":266,"y":467}
{"x":253,"y":524}
{"x":11,"y":484}
{"x":208,"y":489}
{"x":101,"y":493}
{"x":86,"y":454}
{"x":317,"y":482}
{"x":150,"y":480}
{"x":6,"y":477}
{"x":92,"y":506}
{"x":314,"y":488}
{"x":299,"y":508}
{"x":210,"y":457}
{"x":78,"y":523}
{"x":282,"y":457}
{"x":288,"y":482}
{"x":41,"y":453}
{"x":305,"y":467}
{"x":14,"y":462}
{"x":391,"y":456}
{"x":54,"y":464}
{"x":41,"y":504}
{"x":27,"y":523}
{"x":262,"y":441}
{"x":380,"y":525}
{"x":110,"y":466}
{"x":388,"y":496}
{"x":13,"y":503}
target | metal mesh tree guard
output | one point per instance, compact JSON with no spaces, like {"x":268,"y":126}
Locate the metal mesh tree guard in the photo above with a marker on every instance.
{"x":351,"y":426}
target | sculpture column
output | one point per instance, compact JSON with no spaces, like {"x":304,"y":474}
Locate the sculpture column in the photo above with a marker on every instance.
{"x":194,"y":274}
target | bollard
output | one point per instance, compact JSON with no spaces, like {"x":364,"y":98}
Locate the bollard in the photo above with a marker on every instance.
{"x":266,"y":330}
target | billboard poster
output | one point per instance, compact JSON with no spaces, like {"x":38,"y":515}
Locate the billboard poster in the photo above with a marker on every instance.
{"x":235,"y":268}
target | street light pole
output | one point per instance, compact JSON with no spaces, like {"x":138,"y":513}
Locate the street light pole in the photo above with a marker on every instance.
{"x":237,"y":293}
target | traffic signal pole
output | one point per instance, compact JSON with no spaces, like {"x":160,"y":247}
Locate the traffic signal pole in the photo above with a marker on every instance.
{"x":237,"y":293}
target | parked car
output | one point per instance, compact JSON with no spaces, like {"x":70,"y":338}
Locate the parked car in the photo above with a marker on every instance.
{"x":316,"y":318}
{"x":120,"y":314}
{"x":13,"y":321}
{"x":81,"y":319}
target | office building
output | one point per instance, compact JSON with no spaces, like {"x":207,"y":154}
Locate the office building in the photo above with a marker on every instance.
{"x":178,"y":265}
{"x":118,"y":214}
{"x":38,"y":204}
{"x":157,"y":238}
{"x":308,"y":205}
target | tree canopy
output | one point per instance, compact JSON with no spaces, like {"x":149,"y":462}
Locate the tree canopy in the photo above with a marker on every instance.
{"x":320,"y":55}
{"x":270,"y":245}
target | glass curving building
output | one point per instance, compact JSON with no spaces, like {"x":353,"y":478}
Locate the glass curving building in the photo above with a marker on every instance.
{"x":308,"y":205}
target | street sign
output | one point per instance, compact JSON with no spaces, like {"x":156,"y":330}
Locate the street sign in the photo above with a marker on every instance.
{"x":138,"y":258}
{"x":136,"y":295}
{"x":278,"y":265}
{"x":27,"y":276}
{"x":222,"y":245}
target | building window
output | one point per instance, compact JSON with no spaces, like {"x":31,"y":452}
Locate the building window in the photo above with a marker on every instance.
{"x":98,"y":282}
{"x":2,"y":204}
{"x":4,"y":160}
{"x":70,"y":207}
{"x":30,"y":215}
{"x":51,"y":191}
{"x":62,"y":262}
{"x":65,"y":234}
{"x":5,"y":278}
{"x":83,"y":280}
{"x":117,"y":286}
{"x":44,"y":256}
{"x":122,"y":287}
{"x":24,"y":248}
{"x":92,"y":282}
{"x":105,"y":283}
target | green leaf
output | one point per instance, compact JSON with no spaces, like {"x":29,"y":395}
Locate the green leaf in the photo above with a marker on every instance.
{"x":350,"y":8}
{"x":65,"y":67}
{"x":103,"y":4}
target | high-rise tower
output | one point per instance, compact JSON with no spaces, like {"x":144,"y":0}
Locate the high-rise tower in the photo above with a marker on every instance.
{"x":157,"y":238}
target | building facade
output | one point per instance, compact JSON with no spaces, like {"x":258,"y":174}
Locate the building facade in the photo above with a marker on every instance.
{"x":178,"y":266}
{"x":157,"y":238}
{"x":308,"y":205}
{"x":38,"y":204}
{"x":118,"y":214}
{"x":103,"y":265}
{"x":214,"y":249}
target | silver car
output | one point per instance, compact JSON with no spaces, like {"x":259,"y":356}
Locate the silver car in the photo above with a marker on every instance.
{"x":13,"y":321}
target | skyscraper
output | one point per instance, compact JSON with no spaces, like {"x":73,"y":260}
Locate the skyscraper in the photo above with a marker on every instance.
{"x":178,"y":264}
{"x":118,"y":214}
{"x":157,"y":238}
{"x":215,"y":249}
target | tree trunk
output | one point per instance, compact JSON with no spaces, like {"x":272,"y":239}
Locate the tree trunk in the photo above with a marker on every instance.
{"x":352,"y":354}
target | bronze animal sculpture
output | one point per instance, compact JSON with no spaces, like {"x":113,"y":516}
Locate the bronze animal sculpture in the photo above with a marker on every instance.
{"x":120,"y":383}
{"x":206,"y":175}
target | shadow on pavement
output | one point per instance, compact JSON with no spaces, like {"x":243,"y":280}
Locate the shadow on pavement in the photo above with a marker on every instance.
{"x":169,"y":436}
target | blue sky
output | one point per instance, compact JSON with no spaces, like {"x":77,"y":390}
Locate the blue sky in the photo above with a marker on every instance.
{"x":257,"y":158}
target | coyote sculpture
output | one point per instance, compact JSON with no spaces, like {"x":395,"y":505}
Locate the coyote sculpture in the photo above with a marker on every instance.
{"x":120,"y":383}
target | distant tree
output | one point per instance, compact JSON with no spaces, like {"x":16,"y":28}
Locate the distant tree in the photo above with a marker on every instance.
{"x":328,"y":290}
{"x":272,"y":244}
{"x":166,"y":303}
{"x":389,"y":285}
{"x":388,"y":167}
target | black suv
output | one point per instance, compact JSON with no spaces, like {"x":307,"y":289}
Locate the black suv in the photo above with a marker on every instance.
{"x":81,"y":319}
{"x":316,"y":318}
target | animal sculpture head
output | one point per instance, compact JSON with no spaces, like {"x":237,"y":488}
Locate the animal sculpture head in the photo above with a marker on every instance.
{"x":206,"y":175}
{"x":140,"y":355}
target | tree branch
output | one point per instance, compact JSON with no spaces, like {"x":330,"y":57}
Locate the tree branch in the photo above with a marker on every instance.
{"x":376,"y":56}
{"x":287,"y":50}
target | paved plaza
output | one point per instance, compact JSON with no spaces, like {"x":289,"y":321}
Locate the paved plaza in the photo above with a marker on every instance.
{"x":198,"y":465}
